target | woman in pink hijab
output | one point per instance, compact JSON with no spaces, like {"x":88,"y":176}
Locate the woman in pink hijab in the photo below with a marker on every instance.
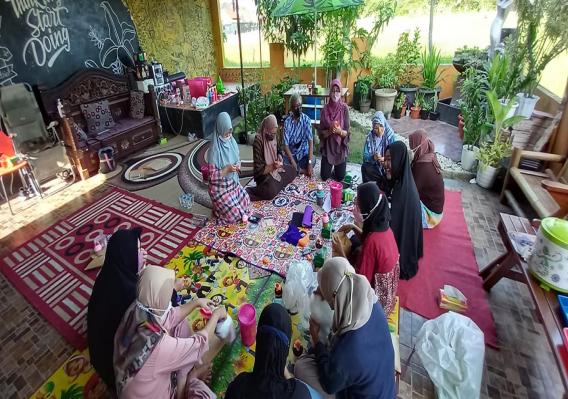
{"x":270,"y":174}
{"x":333,"y":133}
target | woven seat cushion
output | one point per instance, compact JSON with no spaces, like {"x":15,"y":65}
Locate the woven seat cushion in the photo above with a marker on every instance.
{"x":98,"y":117}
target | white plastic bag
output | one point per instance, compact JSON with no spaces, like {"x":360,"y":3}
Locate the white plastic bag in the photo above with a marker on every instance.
{"x":452,"y":348}
{"x":300,"y":283}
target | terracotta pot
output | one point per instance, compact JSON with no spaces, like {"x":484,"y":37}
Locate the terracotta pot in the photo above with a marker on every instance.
{"x":403,"y":110}
{"x":461,"y":125}
{"x":415,"y":113}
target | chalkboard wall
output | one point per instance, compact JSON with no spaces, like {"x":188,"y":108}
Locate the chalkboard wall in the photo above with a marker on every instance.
{"x":42,"y":42}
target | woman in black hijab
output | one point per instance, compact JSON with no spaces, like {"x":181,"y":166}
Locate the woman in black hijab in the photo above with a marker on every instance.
{"x":113,"y":292}
{"x":378,"y":257}
{"x":268,"y":379}
{"x":406,"y":213}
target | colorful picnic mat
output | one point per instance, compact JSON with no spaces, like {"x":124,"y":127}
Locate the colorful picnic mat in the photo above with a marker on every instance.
{"x":260,"y":244}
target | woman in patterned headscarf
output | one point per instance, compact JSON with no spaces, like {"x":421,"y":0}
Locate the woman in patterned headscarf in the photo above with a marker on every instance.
{"x":229,"y":199}
{"x":334,"y":135}
{"x":380,"y":136}
{"x":270,"y":174}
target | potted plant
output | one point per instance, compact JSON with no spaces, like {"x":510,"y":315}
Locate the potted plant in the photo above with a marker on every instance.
{"x":243,"y":99}
{"x":502,"y":78}
{"x":399,"y":106}
{"x":416,"y":107}
{"x":541,"y":37}
{"x":491,"y":153}
{"x":408,"y":56}
{"x":385,"y":71}
{"x":466,"y":57}
{"x":425,"y":108}
{"x":431,"y":77}
{"x":434,"y":114}
{"x":363,"y":86}
{"x":473,"y":114}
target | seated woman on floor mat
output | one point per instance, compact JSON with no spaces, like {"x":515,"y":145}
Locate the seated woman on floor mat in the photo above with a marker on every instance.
{"x":113,"y":292}
{"x":428,"y":178}
{"x":334,"y":135}
{"x":380,"y":136}
{"x":270,"y":174}
{"x":359,"y":362}
{"x":269,"y":377}
{"x":379,"y":264}
{"x":230,"y":200}
{"x":299,"y":138}
{"x":154,"y":340}
{"x":406,"y":211}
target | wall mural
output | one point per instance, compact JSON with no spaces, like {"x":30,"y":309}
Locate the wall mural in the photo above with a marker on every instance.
{"x":43,"y":42}
{"x":116,"y":46}
{"x":178,"y":34}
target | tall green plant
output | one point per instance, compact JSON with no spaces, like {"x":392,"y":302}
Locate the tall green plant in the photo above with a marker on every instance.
{"x":431,"y":60}
{"x":542,"y":36}
{"x":473,"y":107}
{"x":408,"y":55}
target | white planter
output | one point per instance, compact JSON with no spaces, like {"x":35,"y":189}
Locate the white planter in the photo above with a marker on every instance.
{"x":242,"y":109}
{"x":513,"y":110}
{"x":250,"y":137}
{"x":526,"y":105}
{"x":469,"y":157}
{"x":384,"y":100}
{"x":486,"y":176}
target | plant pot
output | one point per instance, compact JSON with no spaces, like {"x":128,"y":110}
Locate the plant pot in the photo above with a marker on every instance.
{"x":242,"y":138}
{"x":242,"y":109}
{"x":364,"y":106}
{"x":250,"y":137}
{"x":459,"y":66}
{"x":424,"y":114}
{"x":429,"y":93}
{"x":410,"y":93}
{"x":513,"y":109}
{"x":396,"y":113}
{"x":526,"y":105}
{"x":403,"y":111}
{"x":415,"y":113}
{"x":434,"y":116}
{"x":486,"y":176}
{"x":461,"y":125}
{"x":384,"y":99}
{"x":469,"y":157}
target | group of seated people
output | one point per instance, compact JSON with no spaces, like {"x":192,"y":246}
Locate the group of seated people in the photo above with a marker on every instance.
{"x":141,"y":345}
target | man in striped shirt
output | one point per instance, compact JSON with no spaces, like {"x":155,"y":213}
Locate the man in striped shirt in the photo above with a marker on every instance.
{"x":298,"y":138}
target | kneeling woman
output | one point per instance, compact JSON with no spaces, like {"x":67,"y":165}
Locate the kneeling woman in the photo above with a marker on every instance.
{"x":360,"y":360}
{"x":379,"y":264}
{"x":428,"y":178}
{"x":154,"y":341}
{"x":270,"y":175}
{"x":229,"y":199}
{"x":269,"y":377}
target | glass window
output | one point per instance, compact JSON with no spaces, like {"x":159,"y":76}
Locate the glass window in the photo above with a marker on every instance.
{"x":253,"y":44}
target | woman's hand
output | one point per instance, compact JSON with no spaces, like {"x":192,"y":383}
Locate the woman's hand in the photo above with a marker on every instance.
{"x":204,"y":303}
{"x":182,"y":283}
{"x":337,"y":246}
{"x":314,"y":331}
{"x":220,"y":313}
{"x":229,"y":169}
{"x":346,"y":228}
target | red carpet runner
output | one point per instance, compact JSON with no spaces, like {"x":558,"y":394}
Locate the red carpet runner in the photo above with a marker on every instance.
{"x":449,"y":259}
{"x":49,"y":269}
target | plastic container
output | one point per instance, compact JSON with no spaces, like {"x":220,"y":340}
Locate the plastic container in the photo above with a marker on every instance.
{"x":336,"y":189}
{"x":247,"y":324}
{"x":198,"y":86}
{"x":563,"y":302}
{"x":205,"y":173}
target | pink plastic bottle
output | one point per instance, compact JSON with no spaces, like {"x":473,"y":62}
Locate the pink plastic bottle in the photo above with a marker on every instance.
{"x":336,"y":189}
{"x":247,"y":324}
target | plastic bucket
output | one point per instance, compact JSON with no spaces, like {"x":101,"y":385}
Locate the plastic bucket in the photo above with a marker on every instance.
{"x":247,"y":324}
{"x":336,"y":189}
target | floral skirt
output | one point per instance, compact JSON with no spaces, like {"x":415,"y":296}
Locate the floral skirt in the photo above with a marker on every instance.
{"x":386,"y":285}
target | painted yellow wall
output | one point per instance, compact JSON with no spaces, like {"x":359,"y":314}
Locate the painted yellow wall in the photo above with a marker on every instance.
{"x":178,"y":34}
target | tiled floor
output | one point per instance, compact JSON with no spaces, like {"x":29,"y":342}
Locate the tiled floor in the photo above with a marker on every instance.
{"x":522,"y":368}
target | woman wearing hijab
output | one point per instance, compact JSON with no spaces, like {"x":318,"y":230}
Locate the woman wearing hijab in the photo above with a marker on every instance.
{"x":113,"y":292}
{"x":428,"y":178}
{"x":334,"y":134}
{"x":270,"y":175}
{"x":269,"y":377}
{"x":359,"y":362}
{"x":406,"y":213}
{"x":380,"y":136}
{"x":230,"y":200}
{"x":380,"y":262}
{"x":154,"y":347}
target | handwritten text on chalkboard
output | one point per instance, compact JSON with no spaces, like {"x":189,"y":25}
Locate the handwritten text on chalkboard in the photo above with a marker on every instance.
{"x":49,"y":36}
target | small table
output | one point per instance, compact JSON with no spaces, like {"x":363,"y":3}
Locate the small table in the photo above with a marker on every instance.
{"x":185,"y":118}
{"x":323,"y":93}
{"x":546,"y":301}
{"x":26,"y":172}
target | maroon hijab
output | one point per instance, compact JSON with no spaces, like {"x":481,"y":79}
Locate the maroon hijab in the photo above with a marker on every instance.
{"x":423,"y":147}
{"x":335,"y":148}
